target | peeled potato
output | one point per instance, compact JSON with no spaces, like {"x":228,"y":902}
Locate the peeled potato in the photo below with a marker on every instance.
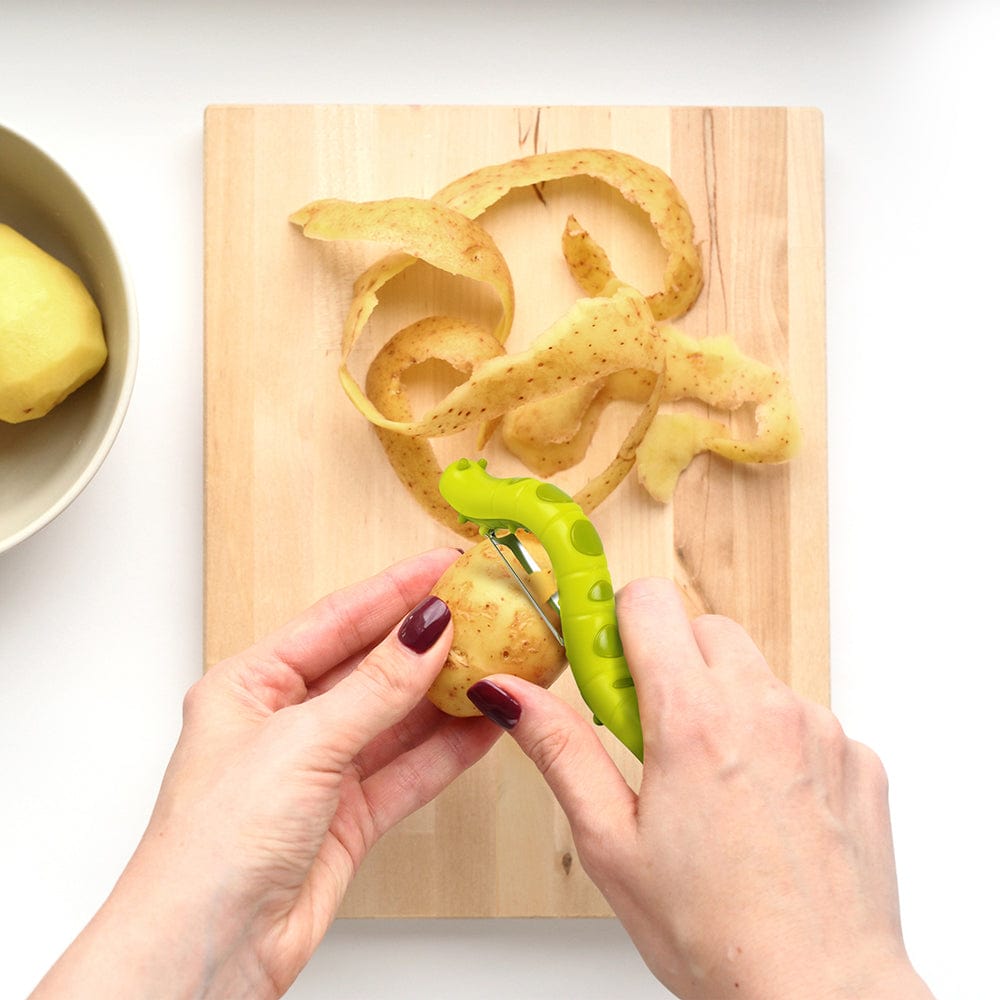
{"x":496,"y":628}
{"x":51,"y":335}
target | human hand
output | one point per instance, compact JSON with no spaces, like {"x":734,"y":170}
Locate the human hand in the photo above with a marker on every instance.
{"x":756,"y":859}
{"x":293,"y":759}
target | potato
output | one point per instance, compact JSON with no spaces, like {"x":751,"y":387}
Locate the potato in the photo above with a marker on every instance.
{"x":51,"y":336}
{"x":496,"y":628}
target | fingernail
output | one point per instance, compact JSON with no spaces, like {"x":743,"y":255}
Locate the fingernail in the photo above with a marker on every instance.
{"x":423,"y":626}
{"x":495,"y":703}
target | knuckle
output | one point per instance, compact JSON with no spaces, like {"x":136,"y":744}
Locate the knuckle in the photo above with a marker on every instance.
{"x":784,"y":708}
{"x":786,"y":725}
{"x":551,"y":748}
{"x":828,"y":728}
{"x":704,"y":717}
{"x":380,"y":674}
{"x":710,"y":620}
{"x":194,"y":698}
{"x":699,"y":724}
{"x":870,"y":766}
{"x":726,"y":644}
{"x":643,"y":597}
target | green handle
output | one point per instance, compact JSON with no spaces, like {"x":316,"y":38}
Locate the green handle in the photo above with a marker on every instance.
{"x":586,"y":595}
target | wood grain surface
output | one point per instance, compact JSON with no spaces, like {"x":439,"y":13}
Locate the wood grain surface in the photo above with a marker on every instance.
{"x":299,"y":499}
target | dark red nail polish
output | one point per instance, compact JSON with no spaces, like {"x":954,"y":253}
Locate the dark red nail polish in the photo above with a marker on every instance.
{"x":495,"y":703}
{"x":423,"y":626}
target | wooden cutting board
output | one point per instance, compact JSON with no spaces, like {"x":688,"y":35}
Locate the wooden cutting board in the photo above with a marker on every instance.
{"x":300,"y":500}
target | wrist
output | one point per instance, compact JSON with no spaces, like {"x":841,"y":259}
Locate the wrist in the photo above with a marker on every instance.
{"x":154,"y":938}
{"x":887,"y":977}
{"x":897,"y":983}
{"x":760,"y":971}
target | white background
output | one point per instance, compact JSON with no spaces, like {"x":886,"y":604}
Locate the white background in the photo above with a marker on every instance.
{"x":101,"y":613}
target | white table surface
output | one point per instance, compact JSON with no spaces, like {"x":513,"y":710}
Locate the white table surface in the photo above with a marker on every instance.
{"x":101,"y":612}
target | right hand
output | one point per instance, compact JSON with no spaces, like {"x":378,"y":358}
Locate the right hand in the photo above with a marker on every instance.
{"x":757,"y":858}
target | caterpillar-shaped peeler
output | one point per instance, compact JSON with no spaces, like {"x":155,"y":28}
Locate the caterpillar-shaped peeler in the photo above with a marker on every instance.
{"x":586,"y":595}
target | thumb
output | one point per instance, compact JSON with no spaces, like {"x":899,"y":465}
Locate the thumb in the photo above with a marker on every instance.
{"x":565,"y":749}
{"x":388,"y":683}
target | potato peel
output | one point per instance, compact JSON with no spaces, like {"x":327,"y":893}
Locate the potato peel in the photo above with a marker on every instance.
{"x":587,"y":262}
{"x":639,"y":182}
{"x":418,"y":229}
{"x":610,"y":345}
{"x":595,"y":337}
{"x":460,"y":345}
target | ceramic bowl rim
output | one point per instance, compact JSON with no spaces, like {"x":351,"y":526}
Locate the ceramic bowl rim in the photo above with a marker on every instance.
{"x":114,"y":425}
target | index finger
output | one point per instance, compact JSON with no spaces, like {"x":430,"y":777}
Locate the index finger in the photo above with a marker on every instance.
{"x":353,"y":619}
{"x":660,"y":647}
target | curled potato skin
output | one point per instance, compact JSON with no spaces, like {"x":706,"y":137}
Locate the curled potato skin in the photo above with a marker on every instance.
{"x":441,"y":338}
{"x":611,"y":344}
{"x":639,"y":182}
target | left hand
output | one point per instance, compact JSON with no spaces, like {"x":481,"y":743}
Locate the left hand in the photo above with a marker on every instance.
{"x":294,"y":758}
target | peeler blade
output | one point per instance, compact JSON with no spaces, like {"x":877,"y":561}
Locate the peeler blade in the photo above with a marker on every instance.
{"x":511,"y":542}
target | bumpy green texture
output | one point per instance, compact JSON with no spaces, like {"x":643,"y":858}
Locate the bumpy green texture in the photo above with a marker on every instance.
{"x":586,"y":594}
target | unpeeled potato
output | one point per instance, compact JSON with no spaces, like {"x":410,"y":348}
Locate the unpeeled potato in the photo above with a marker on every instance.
{"x":496,"y":628}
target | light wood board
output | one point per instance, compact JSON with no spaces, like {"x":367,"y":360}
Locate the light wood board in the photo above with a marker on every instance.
{"x":299,"y":499}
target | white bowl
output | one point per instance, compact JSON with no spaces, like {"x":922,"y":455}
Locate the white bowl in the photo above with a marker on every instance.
{"x":46,"y":463}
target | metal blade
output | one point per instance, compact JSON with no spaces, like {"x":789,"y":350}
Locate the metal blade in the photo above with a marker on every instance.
{"x":523,"y":556}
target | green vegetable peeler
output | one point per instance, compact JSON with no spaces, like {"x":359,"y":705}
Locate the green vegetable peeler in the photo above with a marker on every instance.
{"x":585,"y":598}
